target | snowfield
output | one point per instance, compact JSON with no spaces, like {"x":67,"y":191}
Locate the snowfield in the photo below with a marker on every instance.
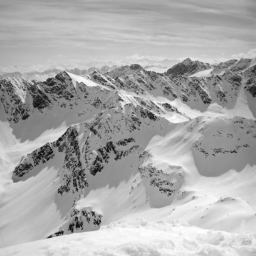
{"x":142,"y":238}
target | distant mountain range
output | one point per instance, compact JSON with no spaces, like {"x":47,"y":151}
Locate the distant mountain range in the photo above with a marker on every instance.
{"x":41,"y":72}
{"x":186,"y":67}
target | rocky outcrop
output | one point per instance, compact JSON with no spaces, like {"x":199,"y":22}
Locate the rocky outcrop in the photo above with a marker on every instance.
{"x":99,"y":158}
{"x":250,"y":80}
{"x":187,"y":67}
{"x":251,"y":88}
{"x":80,"y":220}
{"x":167,"y":183}
{"x":73,"y":173}
{"x":241,"y":65}
{"x":199,"y":87}
{"x":13,"y":93}
{"x":73,"y":178}
{"x":101,"y":79}
{"x":222,"y":66}
{"x":231,"y":138}
{"x":39,"y":156}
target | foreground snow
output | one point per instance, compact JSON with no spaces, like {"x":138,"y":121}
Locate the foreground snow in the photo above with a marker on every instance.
{"x":142,"y":238}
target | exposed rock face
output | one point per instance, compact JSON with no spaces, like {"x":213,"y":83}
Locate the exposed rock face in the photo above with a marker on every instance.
{"x":187,"y":67}
{"x":205,"y":97}
{"x":235,"y":138}
{"x":79,"y":218}
{"x":101,"y":79}
{"x":251,"y":87}
{"x":72,"y":173}
{"x":250,"y":76}
{"x":41,"y":155}
{"x":110,"y":147}
{"x":163,"y":181}
{"x":82,"y":220}
{"x":40,"y":100}
{"x":233,"y":78}
{"x":12,"y":94}
{"x":224,"y":65}
{"x":241,"y":65}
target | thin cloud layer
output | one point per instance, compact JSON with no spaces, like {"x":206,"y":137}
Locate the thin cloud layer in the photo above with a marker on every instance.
{"x":34,"y":30}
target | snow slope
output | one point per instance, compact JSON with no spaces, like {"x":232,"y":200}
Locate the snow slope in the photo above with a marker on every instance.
{"x":142,"y":238}
{"x":203,"y":73}
{"x":78,"y":154}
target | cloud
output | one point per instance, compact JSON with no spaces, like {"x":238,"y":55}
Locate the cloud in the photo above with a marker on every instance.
{"x":250,"y":55}
{"x":137,"y":57}
{"x":36,"y":29}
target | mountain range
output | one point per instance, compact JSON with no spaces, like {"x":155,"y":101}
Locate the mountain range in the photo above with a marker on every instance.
{"x":86,"y":149}
{"x":41,"y":72}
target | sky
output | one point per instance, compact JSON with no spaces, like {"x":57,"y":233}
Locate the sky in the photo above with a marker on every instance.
{"x":38,"y":31}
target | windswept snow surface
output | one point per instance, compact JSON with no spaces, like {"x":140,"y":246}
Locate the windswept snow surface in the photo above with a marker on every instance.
{"x":142,"y":238}
{"x":157,"y":69}
{"x":92,"y":154}
{"x":203,"y":73}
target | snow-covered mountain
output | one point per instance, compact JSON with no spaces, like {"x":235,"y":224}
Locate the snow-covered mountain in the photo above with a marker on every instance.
{"x":51,"y":72}
{"x":187,"y":67}
{"x":80,"y":153}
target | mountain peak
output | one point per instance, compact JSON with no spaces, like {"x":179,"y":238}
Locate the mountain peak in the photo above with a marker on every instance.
{"x":136,"y":67}
{"x":187,"y":61}
{"x":187,"y":67}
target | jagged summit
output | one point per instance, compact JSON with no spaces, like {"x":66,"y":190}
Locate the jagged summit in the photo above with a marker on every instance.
{"x":250,"y":80}
{"x":187,"y":67}
{"x":136,"y":67}
{"x":222,"y":66}
{"x":187,"y":61}
{"x":125,"y":70}
{"x":241,"y":65}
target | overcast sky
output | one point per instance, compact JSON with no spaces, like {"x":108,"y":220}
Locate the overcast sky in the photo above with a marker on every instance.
{"x":34,"y":31}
